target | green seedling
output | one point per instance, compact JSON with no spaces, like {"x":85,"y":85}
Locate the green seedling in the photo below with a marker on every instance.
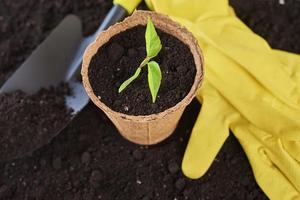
{"x":153,"y":47}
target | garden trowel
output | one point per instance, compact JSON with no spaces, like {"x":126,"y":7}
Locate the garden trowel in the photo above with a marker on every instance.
{"x":58,"y":59}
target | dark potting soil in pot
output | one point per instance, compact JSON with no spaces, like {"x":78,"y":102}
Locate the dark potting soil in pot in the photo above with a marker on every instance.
{"x":28,"y":122}
{"x":117,"y":60}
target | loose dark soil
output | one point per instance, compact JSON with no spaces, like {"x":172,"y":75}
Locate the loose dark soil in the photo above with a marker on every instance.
{"x":118,"y":60}
{"x":29,"y":122}
{"x":90,"y":151}
{"x":90,"y":161}
{"x":278,"y":24}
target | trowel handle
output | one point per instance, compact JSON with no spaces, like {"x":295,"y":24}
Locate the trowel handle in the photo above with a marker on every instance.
{"x":129,"y":5}
{"x":120,"y":9}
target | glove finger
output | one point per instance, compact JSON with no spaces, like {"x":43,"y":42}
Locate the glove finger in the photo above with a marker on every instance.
{"x":281,"y":158}
{"x":208,"y":135}
{"x":205,"y":142}
{"x":293,"y":148}
{"x":272,"y":179}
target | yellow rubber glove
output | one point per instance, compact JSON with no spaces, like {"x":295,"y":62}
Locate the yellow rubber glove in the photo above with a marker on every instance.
{"x":275,"y":169}
{"x":249,"y":88}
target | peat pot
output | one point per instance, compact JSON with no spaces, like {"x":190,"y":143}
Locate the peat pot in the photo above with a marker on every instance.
{"x":151,"y":128}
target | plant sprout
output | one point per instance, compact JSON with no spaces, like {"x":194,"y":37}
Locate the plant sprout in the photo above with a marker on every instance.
{"x":153,"y":47}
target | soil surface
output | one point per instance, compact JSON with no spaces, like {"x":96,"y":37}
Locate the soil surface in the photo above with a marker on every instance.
{"x":90,"y":160}
{"x":90,"y":152}
{"x":118,"y":60}
{"x":29,"y":122}
{"x":278,"y":24}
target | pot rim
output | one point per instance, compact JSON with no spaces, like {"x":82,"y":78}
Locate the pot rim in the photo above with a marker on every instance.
{"x":167,"y":25}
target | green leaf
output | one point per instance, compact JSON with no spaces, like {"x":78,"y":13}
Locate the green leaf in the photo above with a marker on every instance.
{"x":154,"y":78}
{"x":128,"y":81}
{"x":153,"y":43}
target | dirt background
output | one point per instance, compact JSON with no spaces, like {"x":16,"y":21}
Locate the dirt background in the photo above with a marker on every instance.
{"x":89,"y":160}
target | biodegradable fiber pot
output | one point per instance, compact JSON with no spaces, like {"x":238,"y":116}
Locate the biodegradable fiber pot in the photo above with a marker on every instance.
{"x":153,"y":128}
